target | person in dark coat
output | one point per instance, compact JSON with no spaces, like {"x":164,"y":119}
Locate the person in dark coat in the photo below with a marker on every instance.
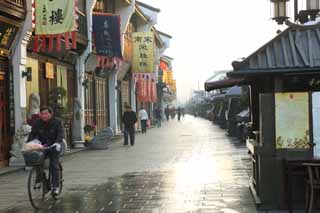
{"x":49,"y":131}
{"x":129,"y":120}
{"x":158,"y":116}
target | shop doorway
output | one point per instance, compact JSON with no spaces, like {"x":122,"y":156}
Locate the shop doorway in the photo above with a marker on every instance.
{"x":5,"y":142}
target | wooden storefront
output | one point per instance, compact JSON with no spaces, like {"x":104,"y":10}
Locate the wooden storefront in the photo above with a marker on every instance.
{"x":97,"y":101}
{"x":11,"y":18}
{"x":284,"y":90}
{"x":48,"y":74}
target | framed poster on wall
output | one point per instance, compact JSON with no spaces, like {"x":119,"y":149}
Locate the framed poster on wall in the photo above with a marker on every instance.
{"x":292,"y":120}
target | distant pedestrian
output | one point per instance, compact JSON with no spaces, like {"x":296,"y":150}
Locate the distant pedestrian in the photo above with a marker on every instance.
{"x":158,"y":116}
{"x":179,"y":113}
{"x":143,"y":115}
{"x":167,"y":112}
{"x":173,"y":112}
{"x":129,"y":120}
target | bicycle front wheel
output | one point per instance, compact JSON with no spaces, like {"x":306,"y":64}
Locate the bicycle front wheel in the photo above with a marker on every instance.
{"x":36,"y":187}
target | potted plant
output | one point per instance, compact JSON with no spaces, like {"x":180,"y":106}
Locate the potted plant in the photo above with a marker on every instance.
{"x":88,"y":131}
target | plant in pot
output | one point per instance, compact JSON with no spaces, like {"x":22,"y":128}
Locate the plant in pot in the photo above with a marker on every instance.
{"x":88,"y":132}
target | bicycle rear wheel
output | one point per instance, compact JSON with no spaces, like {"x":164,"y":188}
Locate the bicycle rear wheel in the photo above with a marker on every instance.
{"x":36,"y":187}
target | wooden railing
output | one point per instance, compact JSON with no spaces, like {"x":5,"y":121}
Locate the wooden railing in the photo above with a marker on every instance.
{"x":18,"y":3}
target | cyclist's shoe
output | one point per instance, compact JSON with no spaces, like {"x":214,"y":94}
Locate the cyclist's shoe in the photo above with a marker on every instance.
{"x":55,"y":192}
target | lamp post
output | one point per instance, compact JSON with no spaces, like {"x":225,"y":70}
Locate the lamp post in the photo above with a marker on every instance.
{"x":280,"y":10}
{"x":310,"y":13}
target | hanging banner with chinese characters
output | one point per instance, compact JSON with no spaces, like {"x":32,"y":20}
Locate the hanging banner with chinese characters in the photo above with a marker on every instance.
{"x":107,"y":41}
{"x":143,"y":52}
{"x":54,"y":19}
{"x":146,"y":87}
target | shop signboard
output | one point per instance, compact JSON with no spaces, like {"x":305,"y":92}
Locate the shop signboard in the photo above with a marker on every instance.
{"x":49,"y":71}
{"x":7,"y":34}
{"x":292,"y":120}
{"x":143,"y":52}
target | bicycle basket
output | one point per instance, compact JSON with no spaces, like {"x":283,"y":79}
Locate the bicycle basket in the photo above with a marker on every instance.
{"x":33,"y":157}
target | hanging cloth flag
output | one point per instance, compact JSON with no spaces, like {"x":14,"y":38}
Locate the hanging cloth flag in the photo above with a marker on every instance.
{"x":107,"y":40}
{"x":54,"y":19}
{"x":143,"y":52}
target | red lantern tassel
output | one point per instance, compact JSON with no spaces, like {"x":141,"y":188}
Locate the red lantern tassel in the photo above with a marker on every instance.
{"x":66,"y":39}
{"x":36,"y":44}
{"x":44,"y":43}
{"x":74,"y":40}
{"x":58,"y":47}
{"x":50,"y":43}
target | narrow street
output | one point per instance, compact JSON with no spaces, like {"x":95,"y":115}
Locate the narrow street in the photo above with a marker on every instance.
{"x":189,"y":166}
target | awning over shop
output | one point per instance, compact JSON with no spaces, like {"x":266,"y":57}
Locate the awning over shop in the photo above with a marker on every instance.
{"x":269,"y":72}
{"x":293,"y":51}
{"x":227,"y":82}
{"x":234,"y":91}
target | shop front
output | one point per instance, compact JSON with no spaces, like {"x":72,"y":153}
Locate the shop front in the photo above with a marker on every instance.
{"x":284,"y":93}
{"x":54,"y":81}
{"x":97,"y":100}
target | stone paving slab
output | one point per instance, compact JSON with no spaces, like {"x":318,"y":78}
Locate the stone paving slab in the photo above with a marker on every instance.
{"x":189,"y":166}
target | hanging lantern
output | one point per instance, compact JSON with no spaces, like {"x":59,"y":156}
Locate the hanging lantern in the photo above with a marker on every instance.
{"x":280,"y":10}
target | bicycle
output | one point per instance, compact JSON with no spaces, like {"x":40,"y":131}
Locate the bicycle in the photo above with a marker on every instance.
{"x":39,"y":180}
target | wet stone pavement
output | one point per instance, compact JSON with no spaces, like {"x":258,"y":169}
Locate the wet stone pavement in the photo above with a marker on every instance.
{"x":186,"y":166}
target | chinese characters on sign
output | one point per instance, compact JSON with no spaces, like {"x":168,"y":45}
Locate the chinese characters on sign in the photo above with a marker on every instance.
{"x":54,"y":21}
{"x":143,"y":52}
{"x":106,"y":32}
{"x":54,"y":17}
{"x":7,"y":34}
{"x":107,"y":40}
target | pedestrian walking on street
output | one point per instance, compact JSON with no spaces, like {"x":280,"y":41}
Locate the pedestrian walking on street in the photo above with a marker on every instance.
{"x":49,"y":131}
{"x":179,"y":113}
{"x":129,"y":120}
{"x":158,"y":115}
{"x":143,"y":115}
{"x":167,"y":112}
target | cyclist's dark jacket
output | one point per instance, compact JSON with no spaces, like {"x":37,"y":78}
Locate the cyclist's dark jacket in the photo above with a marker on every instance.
{"x":47,"y":132}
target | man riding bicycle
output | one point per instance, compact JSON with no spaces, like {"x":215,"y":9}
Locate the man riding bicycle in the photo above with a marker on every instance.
{"x":49,"y":131}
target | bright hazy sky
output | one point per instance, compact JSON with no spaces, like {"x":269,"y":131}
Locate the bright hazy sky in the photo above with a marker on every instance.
{"x":209,"y":34}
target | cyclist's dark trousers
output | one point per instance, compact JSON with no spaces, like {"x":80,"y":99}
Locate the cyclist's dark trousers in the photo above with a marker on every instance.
{"x":54,"y":156}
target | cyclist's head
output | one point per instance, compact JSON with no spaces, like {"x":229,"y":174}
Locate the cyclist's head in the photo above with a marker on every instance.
{"x":46,"y":113}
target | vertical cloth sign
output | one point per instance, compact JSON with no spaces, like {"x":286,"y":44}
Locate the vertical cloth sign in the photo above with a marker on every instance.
{"x":143,"y":52}
{"x":107,"y":41}
{"x":54,"y":19}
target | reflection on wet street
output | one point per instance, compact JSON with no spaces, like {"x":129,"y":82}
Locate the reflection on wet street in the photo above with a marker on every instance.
{"x":205,"y":172}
